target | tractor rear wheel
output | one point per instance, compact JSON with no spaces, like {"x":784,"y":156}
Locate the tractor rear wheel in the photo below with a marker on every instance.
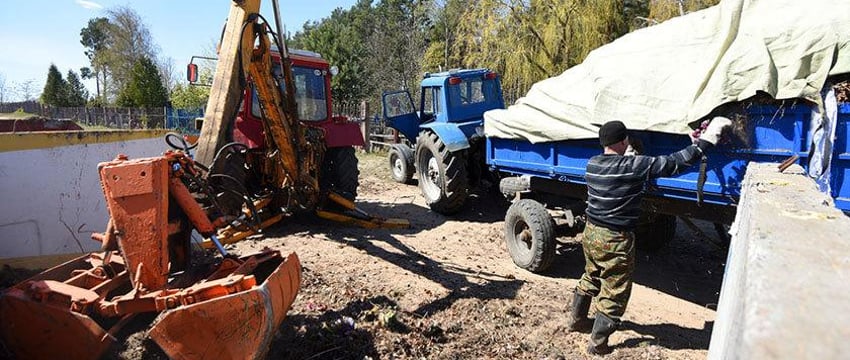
{"x":340,"y":173}
{"x":442,"y":174}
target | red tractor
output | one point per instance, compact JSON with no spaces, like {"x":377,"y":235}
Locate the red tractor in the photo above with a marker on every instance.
{"x":312,"y":82}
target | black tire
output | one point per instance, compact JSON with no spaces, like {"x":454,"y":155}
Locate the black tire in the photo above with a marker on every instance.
{"x":340,"y":173}
{"x":442,"y":174}
{"x":510,"y":186}
{"x":655,"y":231}
{"x":530,"y":235}
{"x":401,"y":163}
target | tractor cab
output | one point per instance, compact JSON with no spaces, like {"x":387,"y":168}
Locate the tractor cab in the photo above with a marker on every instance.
{"x":447,"y":133}
{"x":312,"y":81}
{"x":456,"y":97}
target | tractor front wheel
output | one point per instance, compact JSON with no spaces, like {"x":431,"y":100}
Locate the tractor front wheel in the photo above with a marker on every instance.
{"x":401,"y":163}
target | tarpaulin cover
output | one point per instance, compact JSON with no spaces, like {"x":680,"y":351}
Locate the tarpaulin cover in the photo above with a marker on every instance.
{"x":668,"y":76}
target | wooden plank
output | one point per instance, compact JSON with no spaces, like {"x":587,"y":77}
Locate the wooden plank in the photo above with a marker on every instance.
{"x":226,"y":92}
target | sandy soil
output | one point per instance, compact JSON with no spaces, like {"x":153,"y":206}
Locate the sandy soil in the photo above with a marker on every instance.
{"x":447,"y":289}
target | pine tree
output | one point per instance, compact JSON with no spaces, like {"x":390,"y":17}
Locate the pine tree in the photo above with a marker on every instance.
{"x":55,"y":88}
{"x":145,"y":88}
{"x":76,"y":93}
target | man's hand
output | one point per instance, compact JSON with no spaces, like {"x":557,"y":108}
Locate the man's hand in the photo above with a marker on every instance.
{"x":715,"y":129}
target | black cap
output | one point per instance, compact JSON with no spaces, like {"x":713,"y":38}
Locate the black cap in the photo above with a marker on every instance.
{"x":612,"y":132}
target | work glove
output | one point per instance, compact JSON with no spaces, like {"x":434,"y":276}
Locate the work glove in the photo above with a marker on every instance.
{"x":715,"y":129}
{"x":712,"y":133}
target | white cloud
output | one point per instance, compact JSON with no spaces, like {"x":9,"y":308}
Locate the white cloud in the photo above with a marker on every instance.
{"x":89,"y":4}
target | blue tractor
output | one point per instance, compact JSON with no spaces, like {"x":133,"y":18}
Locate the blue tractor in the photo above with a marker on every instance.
{"x":447,"y":134}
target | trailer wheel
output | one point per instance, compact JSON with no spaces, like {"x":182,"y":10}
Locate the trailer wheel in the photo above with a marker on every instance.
{"x":655,"y":231}
{"x":442,"y":174}
{"x":530,"y":235}
{"x":340,"y":173}
{"x":401,"y":164}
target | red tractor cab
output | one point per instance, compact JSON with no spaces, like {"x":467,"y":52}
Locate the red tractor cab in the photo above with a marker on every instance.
{"x":312,"y":76}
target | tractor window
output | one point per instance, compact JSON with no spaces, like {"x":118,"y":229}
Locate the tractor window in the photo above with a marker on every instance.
{"x":473,"y":91}
{"x":309,"y":94}
{"x":430,"y":101}
{"x":398,"y":104}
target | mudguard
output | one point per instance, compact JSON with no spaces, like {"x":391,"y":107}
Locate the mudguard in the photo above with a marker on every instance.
{"x":456,"y":136}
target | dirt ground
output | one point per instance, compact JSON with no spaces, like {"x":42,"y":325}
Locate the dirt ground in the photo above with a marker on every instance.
{"x":447,"y":288}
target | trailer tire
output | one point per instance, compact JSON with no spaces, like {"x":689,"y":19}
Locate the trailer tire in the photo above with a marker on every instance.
{"x":655,"y":232}
{"x":401,"y":163}
{"x":340,"y":172}
{"x":442,"y":174}
{"x":530,"y":235}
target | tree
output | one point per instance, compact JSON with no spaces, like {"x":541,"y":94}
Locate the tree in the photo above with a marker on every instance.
{"x":55,"y":88}
{"x":660,"y":10}
{"x":398,"y":42}
{"x":26,"y":89}
{"x":129,"y":41}
{"x":95,"y":39}
{"x":340,"y":39}
{"x":3,"y":89}
{"x":166,"y":70}
{"x":185,"y":96}
{"x":76,"y":92}
{"x":113,"y":45}
{"x":144,"y":88}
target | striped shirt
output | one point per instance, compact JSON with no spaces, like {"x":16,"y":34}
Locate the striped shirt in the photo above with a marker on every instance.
{"x":615,"y":184}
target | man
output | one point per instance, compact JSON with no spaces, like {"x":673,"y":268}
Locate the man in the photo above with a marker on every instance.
{"x":614,"y":190}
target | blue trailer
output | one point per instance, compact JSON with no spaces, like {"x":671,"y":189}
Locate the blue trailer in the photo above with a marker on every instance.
{"x":547,"y":179}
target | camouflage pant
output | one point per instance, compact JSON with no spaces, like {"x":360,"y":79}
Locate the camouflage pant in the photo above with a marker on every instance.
{"x":609,"y":262}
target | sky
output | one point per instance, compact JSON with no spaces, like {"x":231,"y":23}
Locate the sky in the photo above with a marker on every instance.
{"x":36,"y":33}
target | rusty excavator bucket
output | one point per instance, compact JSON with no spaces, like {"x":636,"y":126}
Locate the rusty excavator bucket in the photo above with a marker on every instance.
{"x":229,"y":308}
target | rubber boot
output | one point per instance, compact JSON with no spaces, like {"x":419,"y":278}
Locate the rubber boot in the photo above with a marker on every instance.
{"x":578,"y":320}
{"x":602,"y":328}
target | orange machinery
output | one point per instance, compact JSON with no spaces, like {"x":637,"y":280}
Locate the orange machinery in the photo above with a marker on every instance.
{"x":75,"y":309}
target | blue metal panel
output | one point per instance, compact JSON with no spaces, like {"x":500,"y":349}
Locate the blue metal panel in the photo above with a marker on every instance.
{"x":772,"y":135}
{"x":840,"y":183}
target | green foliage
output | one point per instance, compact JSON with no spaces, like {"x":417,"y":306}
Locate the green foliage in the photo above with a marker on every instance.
{"x":76,"y":93}
{"x":527,"y":41}
{"x":144,"y":88}
{"x":185,"y":96}
{"x":95,"y":39}
{"x":113,"y":45}
{"x":661,"y":10}
{"x":339,"y":38}
{"x":55,"y":88}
